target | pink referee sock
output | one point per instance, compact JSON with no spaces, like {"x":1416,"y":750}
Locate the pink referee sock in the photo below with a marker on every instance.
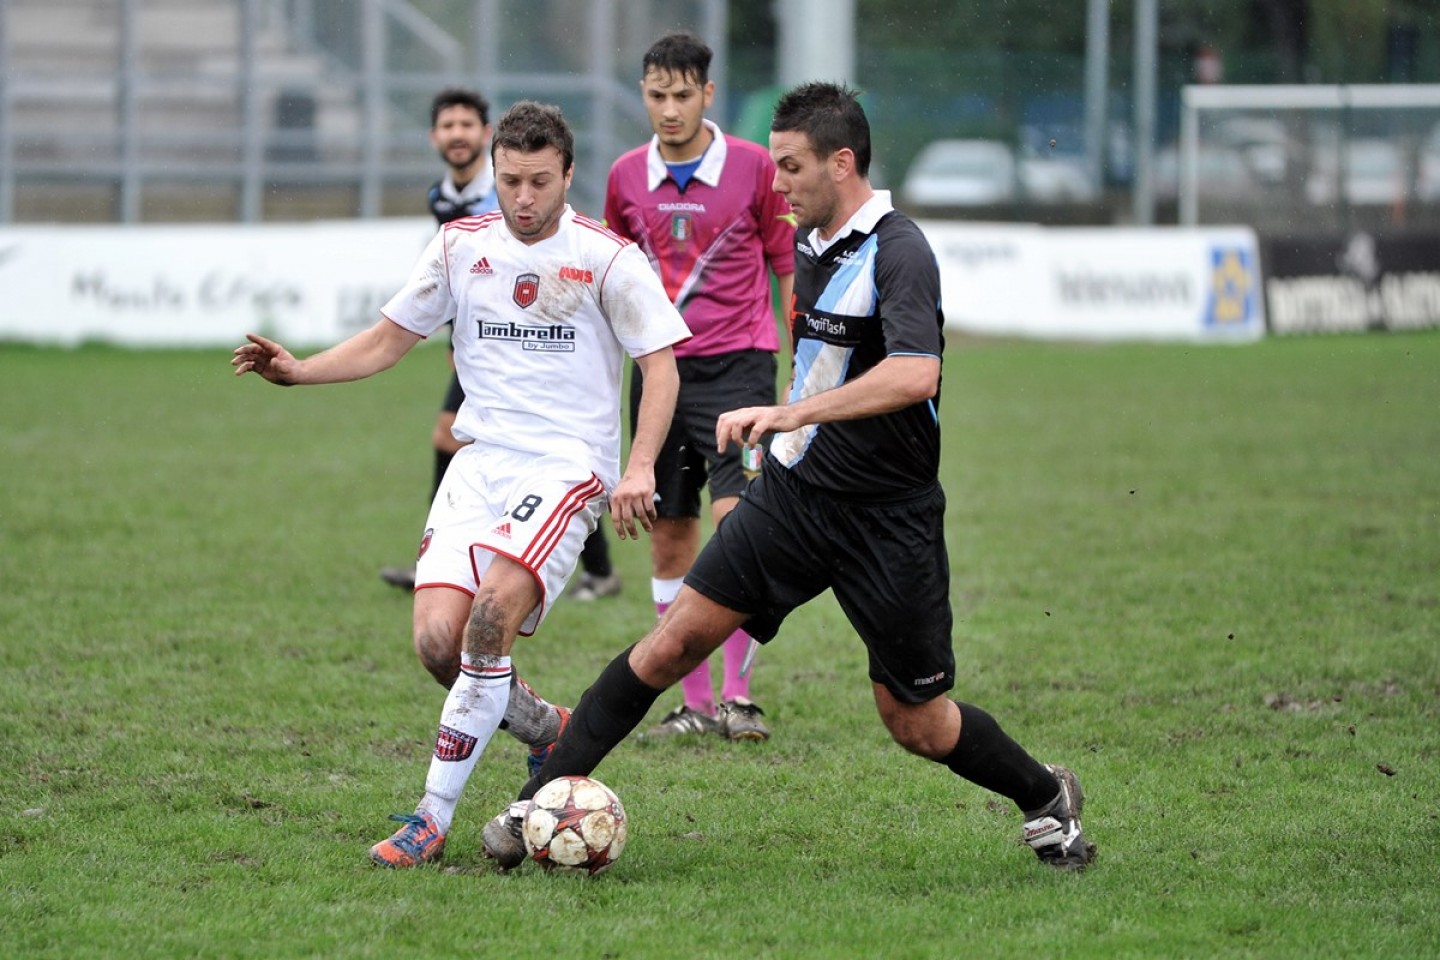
{"x":735,"y":686}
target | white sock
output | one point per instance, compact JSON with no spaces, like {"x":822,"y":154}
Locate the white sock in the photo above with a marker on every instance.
{"x":472,"y":714}
{"x":663,"y":591}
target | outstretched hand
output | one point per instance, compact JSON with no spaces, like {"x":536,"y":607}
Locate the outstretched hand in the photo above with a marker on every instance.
{"x":631,"y":502}
{"x":748,"y":425}
{"x":266,"y":358}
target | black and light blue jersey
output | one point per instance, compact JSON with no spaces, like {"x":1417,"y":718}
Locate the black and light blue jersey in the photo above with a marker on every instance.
{"x":475,"y":199}
{"x":869,"y":296}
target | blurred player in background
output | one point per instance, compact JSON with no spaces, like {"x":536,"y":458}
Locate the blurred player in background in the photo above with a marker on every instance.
{"x":700,"y":204}
{"x":849,"y":499}
{"x":460,"y":132}
{"x":546,"y":305}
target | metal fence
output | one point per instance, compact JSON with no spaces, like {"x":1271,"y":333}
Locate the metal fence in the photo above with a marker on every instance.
{"x":253,"y":110}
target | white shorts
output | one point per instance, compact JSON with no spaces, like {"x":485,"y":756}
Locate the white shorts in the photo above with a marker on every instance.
{"x":535,"y":511}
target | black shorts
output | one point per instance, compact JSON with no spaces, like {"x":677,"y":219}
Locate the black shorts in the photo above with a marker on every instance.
{"x":787,"y":541}
{"x":709,"y":386}
{"x":454,"y":396}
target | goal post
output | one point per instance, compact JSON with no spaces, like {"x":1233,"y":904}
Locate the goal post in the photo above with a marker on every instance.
{"x":1309,"y":155}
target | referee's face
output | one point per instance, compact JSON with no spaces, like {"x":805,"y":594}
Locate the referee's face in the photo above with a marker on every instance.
{"x":804,"y":178}
{"x":530,"y":188}
{"x":676,"y":104}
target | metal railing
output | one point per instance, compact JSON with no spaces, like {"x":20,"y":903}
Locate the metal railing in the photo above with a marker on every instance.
{"x":277,"y":124}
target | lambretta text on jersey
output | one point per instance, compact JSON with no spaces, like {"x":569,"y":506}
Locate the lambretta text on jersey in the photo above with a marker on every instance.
{"x":553,"y":337}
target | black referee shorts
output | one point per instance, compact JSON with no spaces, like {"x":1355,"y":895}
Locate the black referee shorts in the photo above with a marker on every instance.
{"x":709,"y":386}
{"x":787,"y":541}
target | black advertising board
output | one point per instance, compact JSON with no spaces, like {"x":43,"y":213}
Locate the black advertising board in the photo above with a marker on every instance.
{"x":1344,"y":283}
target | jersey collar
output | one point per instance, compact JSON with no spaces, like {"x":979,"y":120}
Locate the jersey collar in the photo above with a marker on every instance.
{"x":477,"y":189}
{"x":861,"y":221}
{"x":710,"y":164}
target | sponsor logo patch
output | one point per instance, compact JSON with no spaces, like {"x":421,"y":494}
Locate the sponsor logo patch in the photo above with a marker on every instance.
{"x":453,"y":745}
{"x":577,"y":273}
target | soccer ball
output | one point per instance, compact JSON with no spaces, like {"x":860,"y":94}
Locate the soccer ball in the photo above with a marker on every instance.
{"x":575,"y":825}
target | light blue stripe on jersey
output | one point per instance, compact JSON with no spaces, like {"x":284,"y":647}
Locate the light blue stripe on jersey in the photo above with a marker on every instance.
{"x":821,"y":366}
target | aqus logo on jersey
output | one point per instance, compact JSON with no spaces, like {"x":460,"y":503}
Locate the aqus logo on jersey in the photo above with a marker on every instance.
{"x":577,"y":273}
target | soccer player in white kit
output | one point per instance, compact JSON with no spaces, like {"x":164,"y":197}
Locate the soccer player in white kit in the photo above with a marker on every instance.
{"x":547,"y":304}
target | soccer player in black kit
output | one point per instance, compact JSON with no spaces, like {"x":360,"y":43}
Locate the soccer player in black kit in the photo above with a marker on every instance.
{"x":848,"y":498}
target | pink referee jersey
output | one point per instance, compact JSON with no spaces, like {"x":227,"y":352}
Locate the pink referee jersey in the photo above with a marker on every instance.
{"x":541,"y":332}
{"x":711,"y":243}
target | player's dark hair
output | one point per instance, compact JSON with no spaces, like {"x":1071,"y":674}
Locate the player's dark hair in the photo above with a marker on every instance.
{"x":459,"y":97}
{"x":529,"y":126}
{"x":831,"y":116}
{"x":680,"y":54}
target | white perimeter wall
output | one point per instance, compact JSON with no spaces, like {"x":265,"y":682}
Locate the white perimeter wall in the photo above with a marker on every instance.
{"x":1084,"y":283}
{"x":311,"y":285}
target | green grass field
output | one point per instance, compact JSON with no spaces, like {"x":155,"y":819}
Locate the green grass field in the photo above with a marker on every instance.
{"x":1206,"y":578}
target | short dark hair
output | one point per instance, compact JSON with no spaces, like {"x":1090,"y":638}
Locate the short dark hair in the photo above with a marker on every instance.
{"x":831,"y":116}
{"x":459,"y":97}
{"x":680,"y":53}
{"x":529,"y":126}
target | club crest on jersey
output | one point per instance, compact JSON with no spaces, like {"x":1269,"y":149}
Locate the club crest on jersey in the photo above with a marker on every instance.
{"x":527,"y":288}
{"x":681,"y":226}
{"x":425,"y":542}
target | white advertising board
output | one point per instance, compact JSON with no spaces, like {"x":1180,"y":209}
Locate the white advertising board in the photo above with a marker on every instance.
{"x":312,"y":285}
{"x":307,"y":284}
{"x":1081,"y":283}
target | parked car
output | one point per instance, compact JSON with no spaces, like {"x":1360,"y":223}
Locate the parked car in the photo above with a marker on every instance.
{"x":1219,"y":172}
{"x":965,"y":173}
{"x":961,"y":173}
{"x":1375,"y":174}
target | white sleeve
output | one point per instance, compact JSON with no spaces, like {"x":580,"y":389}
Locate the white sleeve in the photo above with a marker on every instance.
{"x":635,"y":303}
{"x":426,"y":302}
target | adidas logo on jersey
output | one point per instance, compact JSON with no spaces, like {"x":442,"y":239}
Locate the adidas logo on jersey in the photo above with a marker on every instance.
{"x":482,"y":266}
{"x":502,"y":530}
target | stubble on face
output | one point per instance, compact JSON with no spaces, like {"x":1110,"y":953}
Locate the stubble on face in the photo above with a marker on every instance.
{"x":530,"y":188}
{"x":802,"y":177}
{"x":676,"y":104}
{"x":459,"y":138}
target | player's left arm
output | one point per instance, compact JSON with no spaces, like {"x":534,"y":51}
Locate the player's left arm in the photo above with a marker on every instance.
{"x":633,"y":499}
{"x":907,"y":282}
{"x":897,"y":382}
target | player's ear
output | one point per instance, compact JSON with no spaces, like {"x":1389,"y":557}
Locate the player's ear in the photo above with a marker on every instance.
{"x":842,"y":164}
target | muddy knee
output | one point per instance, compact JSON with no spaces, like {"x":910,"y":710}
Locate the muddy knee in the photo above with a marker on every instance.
{"x":439,"y":655}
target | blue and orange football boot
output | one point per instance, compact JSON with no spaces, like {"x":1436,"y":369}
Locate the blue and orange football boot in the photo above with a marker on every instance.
{"x":419,"y":841}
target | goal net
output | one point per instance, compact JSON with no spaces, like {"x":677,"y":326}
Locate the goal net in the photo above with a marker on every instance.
{"x":1292,"y":159}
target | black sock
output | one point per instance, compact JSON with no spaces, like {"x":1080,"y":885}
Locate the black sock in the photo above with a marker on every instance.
{"x":987,"y":757}
{"x":607,"y":712}
{"x":595,"y":555}
{"x":442,"y":463}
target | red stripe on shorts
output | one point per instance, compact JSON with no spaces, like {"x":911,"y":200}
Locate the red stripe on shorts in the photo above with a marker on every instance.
{"x":554,"y":528}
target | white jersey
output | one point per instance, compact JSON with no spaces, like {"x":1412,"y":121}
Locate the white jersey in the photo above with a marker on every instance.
{"x":541,"y":331}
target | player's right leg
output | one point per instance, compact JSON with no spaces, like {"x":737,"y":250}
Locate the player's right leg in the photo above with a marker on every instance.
{"x":616,"y":702}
